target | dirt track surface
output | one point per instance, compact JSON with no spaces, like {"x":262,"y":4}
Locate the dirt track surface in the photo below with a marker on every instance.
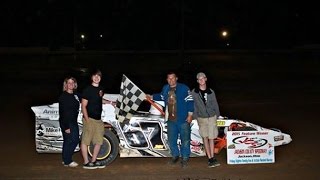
{"x":296,"y":160}
{"x":284,"y":96}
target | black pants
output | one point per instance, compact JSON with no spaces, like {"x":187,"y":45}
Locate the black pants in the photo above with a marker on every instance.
{"x":70,"y":142}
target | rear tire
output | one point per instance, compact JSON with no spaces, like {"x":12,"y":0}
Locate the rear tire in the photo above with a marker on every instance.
{"x":109,"y":150}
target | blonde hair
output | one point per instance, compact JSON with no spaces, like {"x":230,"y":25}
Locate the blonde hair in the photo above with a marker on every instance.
{"x":65,"y":83}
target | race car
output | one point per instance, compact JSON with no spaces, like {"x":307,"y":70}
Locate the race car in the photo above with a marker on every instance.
{"x":144,"y":136}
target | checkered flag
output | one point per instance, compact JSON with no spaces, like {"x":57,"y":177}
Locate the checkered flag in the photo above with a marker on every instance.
{"x":129,"y":100}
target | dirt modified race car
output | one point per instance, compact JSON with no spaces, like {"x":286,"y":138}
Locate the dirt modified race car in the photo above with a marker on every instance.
{"x":144,"y":136}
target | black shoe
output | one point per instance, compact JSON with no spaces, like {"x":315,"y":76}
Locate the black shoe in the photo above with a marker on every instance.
{"x":89,"y":165}
{"x":99,"y":164}
{"x":184,"y":163}
{"x":213,"y":163}
{"x":173,"y":160}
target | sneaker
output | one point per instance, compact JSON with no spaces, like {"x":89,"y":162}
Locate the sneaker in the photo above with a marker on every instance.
{"x":210,"y":164}
{"x":72,"y":164}
{"x":99,"y":164}
{"x":184,"y":163}
{"x":173,"y":160}
{"x":89,"y":165}
{"x":213,"y":162}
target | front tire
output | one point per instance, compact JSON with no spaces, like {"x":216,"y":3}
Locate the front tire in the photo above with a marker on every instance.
{"x":109,"y":150}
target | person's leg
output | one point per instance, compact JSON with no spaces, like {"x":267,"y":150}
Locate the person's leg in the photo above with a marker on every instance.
{"x":70,"y":142}
{"x":212,"y":161}
{"x":204,"y":133}
{"x":85,"y":140}
{"x":185,"y":132}
{"x":97,"y":138}
{"x":74,"y":141}
{"x":87,"y":164}
{"x":207,"y":147}
{"x":96,"y":150}
{"x":65,"y":147}
{"x":97,"y":141}
{"x":211,"y":148}
{"x":172,"y":138}
{"x":213,"y":133}
{"x":84,"y":153}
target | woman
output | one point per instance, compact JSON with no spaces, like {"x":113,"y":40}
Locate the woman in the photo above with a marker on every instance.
{"x":69,"y":104}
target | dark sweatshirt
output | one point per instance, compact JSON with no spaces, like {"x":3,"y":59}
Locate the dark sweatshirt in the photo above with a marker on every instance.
{"x":68,"y":109}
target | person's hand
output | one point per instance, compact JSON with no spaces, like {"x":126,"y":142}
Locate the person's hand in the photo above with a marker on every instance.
{"x":189,"y":119}
{"x":148,"y":96}
{"x":85,"y":120}
{"x":220,"y":117}
{"x":105,"y":101}
{"x":67,"y":131}
{"x":113,"y":103}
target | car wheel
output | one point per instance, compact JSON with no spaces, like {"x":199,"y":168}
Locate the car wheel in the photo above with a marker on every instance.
{"x":109,"y":150}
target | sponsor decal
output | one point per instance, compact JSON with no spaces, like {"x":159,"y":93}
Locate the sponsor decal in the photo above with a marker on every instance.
{"x":249,"y":147}
{"x":251,"y":142}
{"x":144,"y":135}
{"x":44,"y":130}
{"x":279,"y":138}
{"x":221,"y":123}
{"x":159,"y":146}
{"x":50,"y":111}
{"x":196,"y":149}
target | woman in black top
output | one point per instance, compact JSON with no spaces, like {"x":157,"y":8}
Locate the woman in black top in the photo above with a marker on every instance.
{"x":69,"y":104}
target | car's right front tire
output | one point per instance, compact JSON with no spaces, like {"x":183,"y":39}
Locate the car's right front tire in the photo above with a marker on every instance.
{"x":109,"y":150}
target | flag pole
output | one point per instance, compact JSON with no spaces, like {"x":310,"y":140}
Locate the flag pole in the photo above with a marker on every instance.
{"x":154,"y":105}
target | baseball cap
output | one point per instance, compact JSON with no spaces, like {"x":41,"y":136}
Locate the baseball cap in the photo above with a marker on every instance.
{"x":201,"y":74}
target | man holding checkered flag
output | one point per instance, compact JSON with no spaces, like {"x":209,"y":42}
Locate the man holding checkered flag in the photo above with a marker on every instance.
{"x":128,"y":101}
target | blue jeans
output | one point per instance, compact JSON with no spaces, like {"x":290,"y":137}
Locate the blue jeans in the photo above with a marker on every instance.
{"x":70,"y":142}
{"x":174,"y":130}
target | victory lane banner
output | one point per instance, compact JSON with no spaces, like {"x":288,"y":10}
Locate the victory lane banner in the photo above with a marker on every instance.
{"x":250,"y":147}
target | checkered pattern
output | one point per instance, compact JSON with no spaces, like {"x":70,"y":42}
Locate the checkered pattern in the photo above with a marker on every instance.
{"x":129,"y":100}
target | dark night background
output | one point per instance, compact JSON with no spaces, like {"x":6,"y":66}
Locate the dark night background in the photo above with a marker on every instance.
{"x":272,"y":46}
{"x":160,"y":24}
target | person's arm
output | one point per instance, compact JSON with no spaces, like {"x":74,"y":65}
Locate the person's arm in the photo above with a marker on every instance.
{"x":161,"y":96}
{"x":189,"y":117}
{"x":215,"y":105}
{"x":195,"y":109}
{"x":148,"y":96}
{"x":84,"y":104}
{"x":190,"y":105}
{"x":156,"y":97}
{"x":104,"y":101}
{"x":63,"y":120}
